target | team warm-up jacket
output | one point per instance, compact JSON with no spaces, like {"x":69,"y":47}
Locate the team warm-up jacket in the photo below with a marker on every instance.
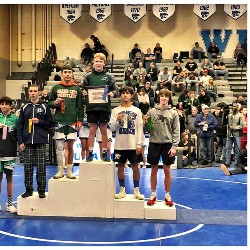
{"x":39,"y":132}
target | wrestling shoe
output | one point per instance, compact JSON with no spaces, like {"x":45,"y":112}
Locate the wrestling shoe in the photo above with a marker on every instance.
{"x":11,"y":209}
{"x":105,"y":156}
{"x":90,"y":157}
{"x":137,"y":194}
{"x":41,"y":195}
{"x":27,"y":193}
{"x":152,"y":200}
{"x":121,"y":194}
{"x":224,"y":169}
{"x":168,"y":201}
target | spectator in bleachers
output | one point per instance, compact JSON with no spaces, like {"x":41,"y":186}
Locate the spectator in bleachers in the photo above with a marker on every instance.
{"x":191,"y":66}
{"x":157,"y":90}
{"x":211,"y":89}
{"x":131,"y":82}
{"x":177,"y":69}
{"x":206,"y":65}
{"x":133,"y":52}
{"x":197,"y":52}
{"x":204,"y":79}
{"x":87,"y":54}
{"x":143,"y":101}
{"x":152,"y":74}
{"x":204,"y":98}
{"x":190,"y":121}
{"x":221,"y":134}
{"x":191,"y":102}
{"x":148,"y":58}
{"x":193,"y":83}
{"x":127,"y":73}
{"x":158,"y":53}
{"x":220,"y":69}
{"x":239,"y":55}
{"x":150,"y":92}
{"x":243,"y":111}
{"x":182,"y":99}
{"x":240,"y":100}
{"x":141,"y":81}
{"x":213,"y":51}
{"x":58,"y":65}
{"x":45,"y":96}
{"x":206,"y":123}
{"x":140,"y":71}
{"x":97,"y":43}
{"x":244,"y":46}
{"x":137,"y":59}
{"x":182,"y":120}
{"x":184,"y":144}
{"x":179,"y":83}
{"x":165,"y":78}
{"x":235,"y":125}
{"x":88,"y":69}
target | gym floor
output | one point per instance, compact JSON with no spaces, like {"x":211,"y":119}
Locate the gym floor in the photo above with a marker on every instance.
{"x":211,"y":211}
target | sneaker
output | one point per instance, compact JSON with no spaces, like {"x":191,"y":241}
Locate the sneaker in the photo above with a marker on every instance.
{"x":11,"y":209}
{"x":168,"y":201}
{"x":90,"y":157}
{"x":152,"y":200}
{"x":27,"y":193}
{"x":137,"y":194}
{"x":105,"y":156}
{"x":41,"y":195}
{"x":121,"y":194}
{"x":224,"y":169}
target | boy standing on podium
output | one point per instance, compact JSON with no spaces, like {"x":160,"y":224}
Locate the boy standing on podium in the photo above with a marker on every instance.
{"x":127,"y":121}
{"x":163,"y":141}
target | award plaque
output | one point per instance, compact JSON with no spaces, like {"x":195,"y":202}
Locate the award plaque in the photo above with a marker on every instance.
{"x":97,"y":94}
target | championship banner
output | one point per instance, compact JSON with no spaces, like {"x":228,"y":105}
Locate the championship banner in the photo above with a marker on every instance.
{"x":235,"y":10}
{"x":204,"y":11}
{"x":163,"y":11}
{"x":100,"y":12}
{"x":70,"y":12}
{"x":135,"y":11}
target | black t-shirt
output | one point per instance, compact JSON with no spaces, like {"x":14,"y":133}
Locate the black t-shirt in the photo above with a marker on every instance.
{"x":191,"y":66}
{"x":135,"y":50}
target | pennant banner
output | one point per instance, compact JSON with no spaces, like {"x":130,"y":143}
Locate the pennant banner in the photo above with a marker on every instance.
{"x":135,"y":11}
{"x":204,"y":11}
{"x":70,"y":12}
{"x":235,"y":10}
{"x":163,"y":11}
{"x":100,"y":12}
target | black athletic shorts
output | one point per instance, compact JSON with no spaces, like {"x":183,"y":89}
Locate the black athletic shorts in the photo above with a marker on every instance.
{"x":155,"y":150}
{"x":121,"y":156}
{"x":98,"y":117}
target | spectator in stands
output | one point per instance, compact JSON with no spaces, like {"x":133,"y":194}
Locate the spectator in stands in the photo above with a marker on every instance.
{"x":193,"y":83}
{"x":204,"y":79}
{"x":243,"y":111}
{"x":158,"y":53}
{"x":240,"y":100}
{"x":152,"y":74}
{"x":220,"y":69}
{"x":182,"y":120}
{"x":191,"y":66}
{"x":131,"y":82}
{"x":88,"y":69}
{"x":207,"y":66}
{"x":177,"y":69}
{"x":179,"y":83}
{"x":157,"y":90}
{"x":241,"y":164}
{"x":150,"y":92}
{"x":97,"y":44}
{"x":165,"y":78}
{"x":235,"y":125}
{"x":127,"y":73}
{"x":213,"y":51}
{"x":190,"y":121}
{"x":137,"y":59}
{"x":206,"y":123}
{"x":239,"y":55}
{"x":87,"y":54}
{"x":204,"y":98}
{"x":211,"y":89}
{"x":133,"y":52}
{"x":244,"y":46}
{"x":221,"y":134}
{"x":59,"y":65}
{"x":197,"y":52}
{"x":148,"y":58}
{"x":143,"y":99}
{"x":184,"y":145}
{"x":182,"y":99}
{"x":45,"y":96}
{"x":141,"y":81}
{"x":140,"y":71}
{"x":191,"y":102}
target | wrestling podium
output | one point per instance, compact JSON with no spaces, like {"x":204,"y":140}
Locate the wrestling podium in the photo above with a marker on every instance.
{"x":91,"y":194}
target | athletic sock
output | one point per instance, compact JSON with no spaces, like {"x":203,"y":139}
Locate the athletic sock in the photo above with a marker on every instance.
{"x":9,"y":201}
{"x":122,"y":182}
{"x":136,"y":183}
{"x":166,"y":194}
